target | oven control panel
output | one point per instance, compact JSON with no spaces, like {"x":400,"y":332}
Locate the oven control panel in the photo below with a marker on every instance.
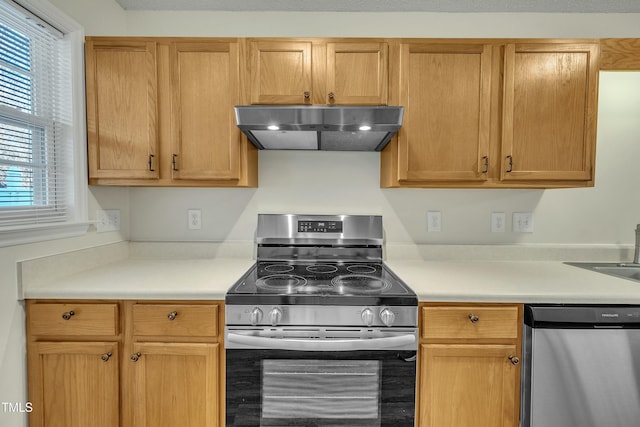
{"x":319,"y":226}
{"x":325,"y":315}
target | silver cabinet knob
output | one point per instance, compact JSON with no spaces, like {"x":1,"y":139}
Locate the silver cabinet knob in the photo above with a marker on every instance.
{"x":387,"y":316}
{"x":255,"y":316}
{"x":473,"y":318}
{"x":106,"y":356}
{"x":367,"y":316}
{"x":135,"y":357}
{"x":172,"y":315}
{"x":514,"y":359}
{"x":68,"y":315}
{"x":275,"y":316}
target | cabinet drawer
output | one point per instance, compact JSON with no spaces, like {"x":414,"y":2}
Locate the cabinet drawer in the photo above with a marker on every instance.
{"x":73,"y":319}
{"x":470,"y":322}
{"x":185,"y":320}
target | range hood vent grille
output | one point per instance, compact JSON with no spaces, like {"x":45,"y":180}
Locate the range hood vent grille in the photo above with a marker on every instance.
{"x":330,"y":128}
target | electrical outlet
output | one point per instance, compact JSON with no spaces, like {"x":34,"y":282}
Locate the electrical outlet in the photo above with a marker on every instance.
{"x":194,"y":219}
{"x":523,"y":222}
{"x":498,"y":222}
{"x":107,"y":220}
{"x":434,"y":221}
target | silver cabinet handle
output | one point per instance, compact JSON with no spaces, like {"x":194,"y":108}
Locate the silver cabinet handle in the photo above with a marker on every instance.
{"x":307,"y":95}
{"x":68,"y":315}
{"x":172,"y":315}
{"x":514,"y":359}
{"x":151,"y":169}
{"x":473,"y":318}
{"x":332,"y":97}
{"x":321,"y":345}
{"x":106,"y":356}
{"x":510,"y":159}
{"x":135,"y":357}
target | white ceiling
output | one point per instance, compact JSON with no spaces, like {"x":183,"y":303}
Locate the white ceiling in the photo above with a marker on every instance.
{"x":543,"y":6}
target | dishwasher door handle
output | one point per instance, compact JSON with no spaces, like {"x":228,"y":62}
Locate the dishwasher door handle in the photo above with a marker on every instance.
{"x":388,"y":343}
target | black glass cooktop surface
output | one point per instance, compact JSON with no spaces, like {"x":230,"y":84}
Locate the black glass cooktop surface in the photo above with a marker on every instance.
{"x":339,"y":283}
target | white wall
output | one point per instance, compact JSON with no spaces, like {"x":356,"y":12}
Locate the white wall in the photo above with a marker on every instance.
{"x":348,"y":182}
{"x":326,"y":182}
{"x":317,"y":182}
{"x":13,"y":386}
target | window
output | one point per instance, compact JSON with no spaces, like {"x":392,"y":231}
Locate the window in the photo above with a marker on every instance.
{"x":39,"y":138}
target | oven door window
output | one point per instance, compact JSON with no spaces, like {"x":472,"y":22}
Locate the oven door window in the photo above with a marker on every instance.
{"x":337,"y":390}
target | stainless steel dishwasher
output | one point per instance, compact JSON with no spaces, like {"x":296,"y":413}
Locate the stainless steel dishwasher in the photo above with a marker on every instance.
{"x":581,"y":366}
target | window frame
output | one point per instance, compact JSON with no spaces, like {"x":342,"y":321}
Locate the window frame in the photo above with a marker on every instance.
{"x":77,"y":222}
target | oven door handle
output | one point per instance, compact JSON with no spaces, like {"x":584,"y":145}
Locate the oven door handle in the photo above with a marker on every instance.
{"x":387,"y":343}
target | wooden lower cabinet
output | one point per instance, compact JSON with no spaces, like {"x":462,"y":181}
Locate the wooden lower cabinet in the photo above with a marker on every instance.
{"x":175,"y":384}
{"x":157,"y":363}
{"x":469,"y":365}
{"x":74,"y":384}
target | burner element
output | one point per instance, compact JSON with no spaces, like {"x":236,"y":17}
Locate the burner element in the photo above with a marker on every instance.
{"x":359,"y":284}
{"x":286,"y":283}
{"x":361,"y":269}
{"x":279,"y":268}
{"x":322,"y":268}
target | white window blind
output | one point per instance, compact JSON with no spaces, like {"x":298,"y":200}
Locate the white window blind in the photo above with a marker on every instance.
{"x":36,"y":135}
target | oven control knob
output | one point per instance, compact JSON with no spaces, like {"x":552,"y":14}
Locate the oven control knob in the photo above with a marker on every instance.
{"x":275,"y":316}
{"x":367,"y":316}
{"x":256,"y":316}
{"x":387,"y":316}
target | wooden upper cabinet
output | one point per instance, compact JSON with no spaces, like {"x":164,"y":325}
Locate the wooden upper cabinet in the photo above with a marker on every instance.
{"x":160,"y":112}
{"x":318,"y":71}
{"x":280,"y":72}
{"x":549,"y":111}
{"x":357,"y":73}
{"x":122,"y":118}
{"x":467,"y":124}
{"x":204,"y":89}
{"x":445,"y":89}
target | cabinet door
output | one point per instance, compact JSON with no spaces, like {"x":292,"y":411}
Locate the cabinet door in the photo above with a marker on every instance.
{"x":205,"y":88}
{"x":122,"y":113}
{"x":549,"y":114}
{"x":176,"y":385}
{"x":446,"y":92}
{"x":357,"y":73}
{"x":467,"y":385}
{"x":74,"y":384}
{"x":280,"y":72}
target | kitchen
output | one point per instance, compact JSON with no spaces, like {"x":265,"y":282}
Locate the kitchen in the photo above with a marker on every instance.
{"x":599,"y":218}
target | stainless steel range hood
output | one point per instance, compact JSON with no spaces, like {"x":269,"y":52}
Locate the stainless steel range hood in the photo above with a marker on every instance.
{"x":330,"y":128}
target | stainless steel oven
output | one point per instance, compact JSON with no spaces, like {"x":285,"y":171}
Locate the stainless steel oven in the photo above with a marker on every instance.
{"x":320,"y":332}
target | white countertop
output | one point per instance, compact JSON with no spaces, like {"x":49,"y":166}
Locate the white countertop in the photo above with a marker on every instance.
{"x":454,"y":281}
{"x":513,"y":281}
{"x":179,"y":279}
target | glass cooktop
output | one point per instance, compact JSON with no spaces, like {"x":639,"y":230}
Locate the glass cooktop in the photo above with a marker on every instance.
{"x":339,"y":283}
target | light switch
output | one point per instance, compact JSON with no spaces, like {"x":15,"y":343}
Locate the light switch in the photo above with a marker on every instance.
{"x":107,"y":220}
{"x":523,"y":222}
